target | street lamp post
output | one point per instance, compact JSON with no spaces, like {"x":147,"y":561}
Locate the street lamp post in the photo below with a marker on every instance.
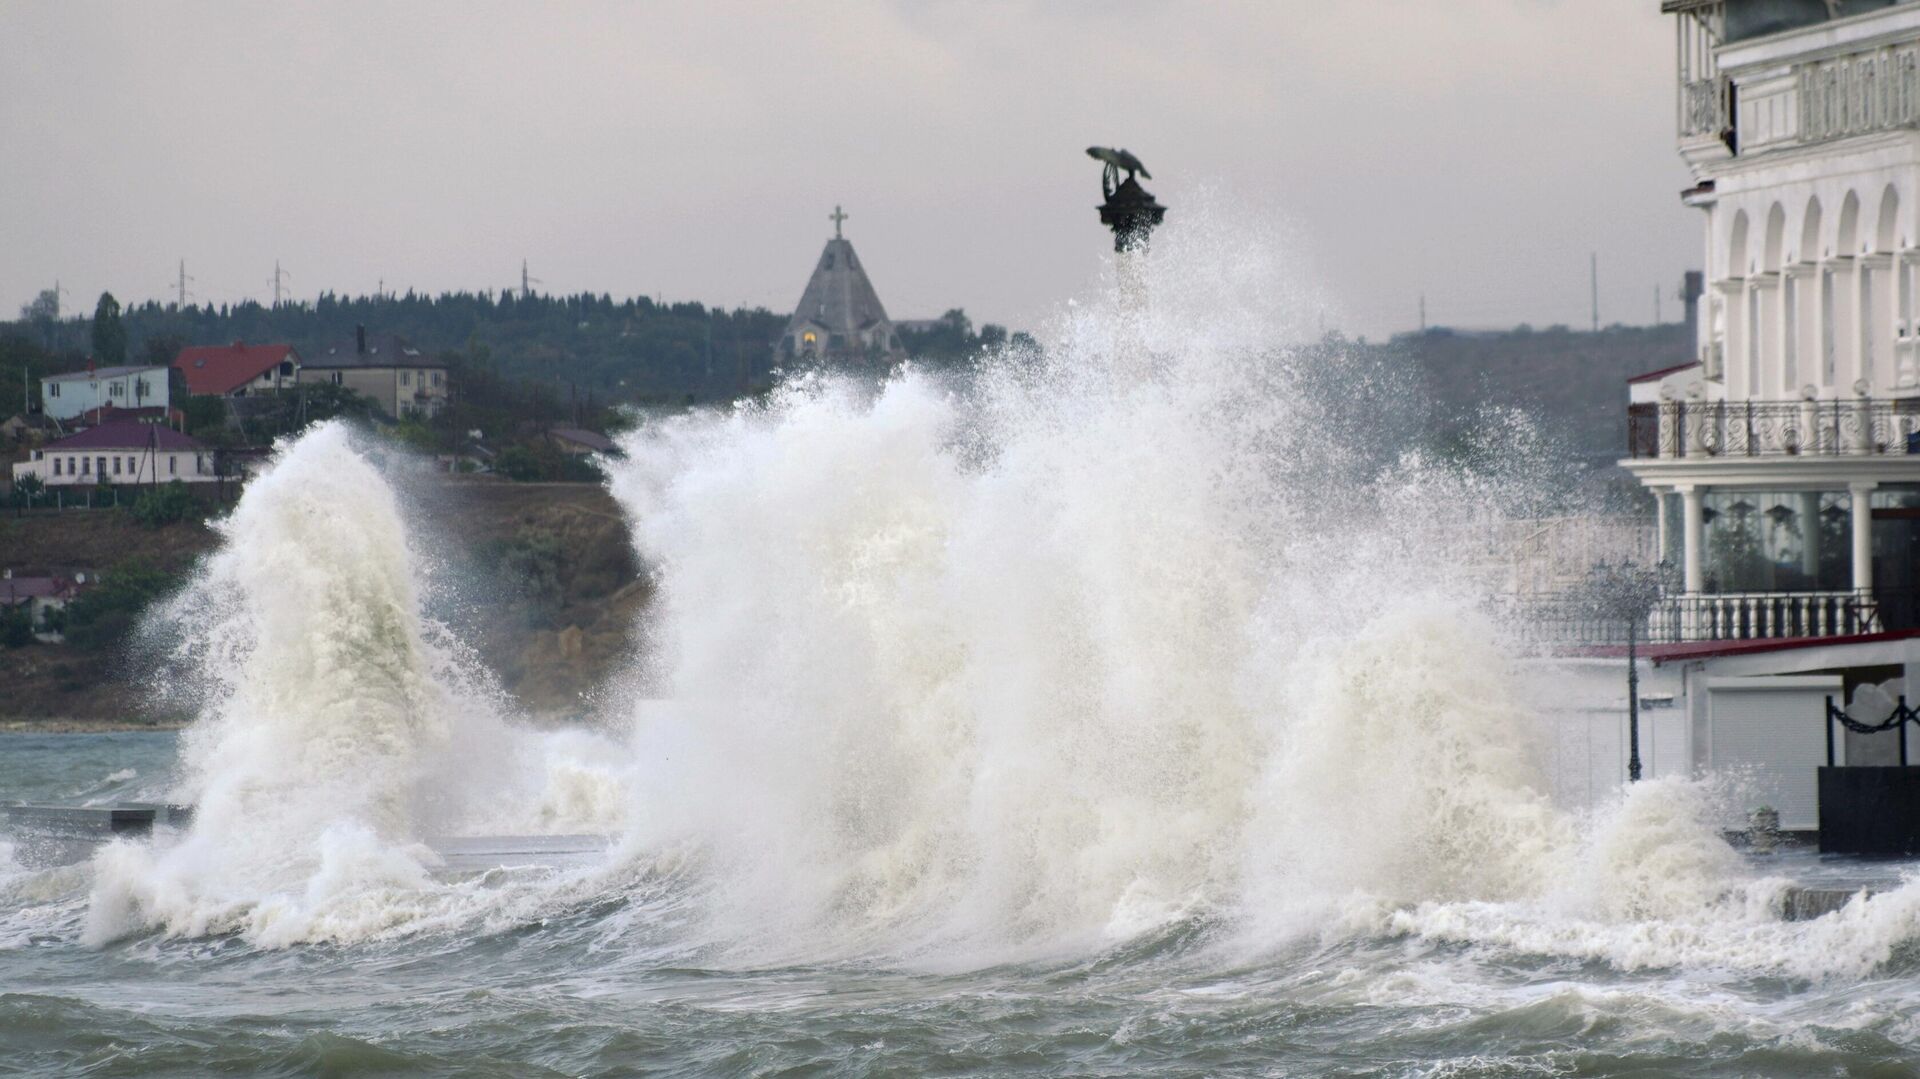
{"x":1628,"y":593}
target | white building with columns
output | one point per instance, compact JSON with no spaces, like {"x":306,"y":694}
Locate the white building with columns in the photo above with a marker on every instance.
{"x":1787,"y":457}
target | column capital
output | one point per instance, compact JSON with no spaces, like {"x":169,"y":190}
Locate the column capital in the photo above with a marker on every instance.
{"x":1862,"y":487}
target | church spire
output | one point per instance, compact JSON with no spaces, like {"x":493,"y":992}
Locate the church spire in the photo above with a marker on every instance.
{"x":839,"y":319}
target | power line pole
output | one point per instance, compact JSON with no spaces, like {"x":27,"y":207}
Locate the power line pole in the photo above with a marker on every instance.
{"x":183,"y":282}
{"x":1423,"y":312}
{"x":1656,"y":305}
{"x":1593,"y":270}
{"x":526,"y":282}
{"x":277,"y":274}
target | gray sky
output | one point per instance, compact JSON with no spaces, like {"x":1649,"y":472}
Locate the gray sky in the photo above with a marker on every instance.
{"x":1473,"y":150}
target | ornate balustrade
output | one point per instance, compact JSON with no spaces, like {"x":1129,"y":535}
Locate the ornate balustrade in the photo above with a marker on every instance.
{"x":1569,"y":621}
{"x":1703,"y":107}
{"x":1734,"y":429}
{"x":1753,"y":616}
{"x":1864,"y":91}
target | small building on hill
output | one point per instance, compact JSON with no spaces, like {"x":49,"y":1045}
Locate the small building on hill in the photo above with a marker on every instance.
{"x":400,"y":378}
{"x":121,"y":452}
{"x":66,"y":396}
{"x":579,"y":442}
{"x":28,"y":427}
{"x":839,"y":319}
{"x":238,"y":369}
{"x":39,"y":597}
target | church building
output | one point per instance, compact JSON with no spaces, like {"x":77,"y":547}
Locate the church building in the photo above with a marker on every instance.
{"x":839,"y":320}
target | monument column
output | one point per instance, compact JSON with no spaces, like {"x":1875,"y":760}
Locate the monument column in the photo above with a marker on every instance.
{"x":1131,"y":212}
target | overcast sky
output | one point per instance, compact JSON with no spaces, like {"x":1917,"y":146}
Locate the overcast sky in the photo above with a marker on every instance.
{"x":1471,"y":150}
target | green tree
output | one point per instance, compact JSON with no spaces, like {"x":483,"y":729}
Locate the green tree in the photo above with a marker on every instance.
{"x":520,"y":463}
{"x":44,"y":308}
{"x":109,"y":334}
{"x":317,"y":401}
{"x":16,"y":625}
{"x":101,"y":617}
{"x":27,"y":490}
{"x":205,"y":414}
{"x":161,"y":506}
{"x":162,"y":348}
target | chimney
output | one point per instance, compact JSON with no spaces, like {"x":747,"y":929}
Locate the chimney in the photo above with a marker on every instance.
{"x":1692,"y":287}
{"x":360,"y":339}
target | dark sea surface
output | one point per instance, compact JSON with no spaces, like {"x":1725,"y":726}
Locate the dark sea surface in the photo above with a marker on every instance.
{"x":610,"y":981}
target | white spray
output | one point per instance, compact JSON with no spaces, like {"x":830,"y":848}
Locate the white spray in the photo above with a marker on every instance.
{"x":336,"y":729}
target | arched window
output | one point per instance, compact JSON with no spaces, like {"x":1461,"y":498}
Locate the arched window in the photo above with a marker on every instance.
{"x":1886,"y":235}
{"x":1846,"y":239}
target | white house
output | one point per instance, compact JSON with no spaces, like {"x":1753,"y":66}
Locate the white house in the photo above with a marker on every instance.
{"x":119,"y":452}
{"x":67,"y":396}
{"x":1785,"y":460}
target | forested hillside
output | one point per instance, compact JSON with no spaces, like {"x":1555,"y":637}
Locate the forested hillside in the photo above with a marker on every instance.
{"x":555,"y":356}
{"x":570,"y":347}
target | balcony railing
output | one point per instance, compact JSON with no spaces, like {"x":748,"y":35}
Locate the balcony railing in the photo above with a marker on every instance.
{"x":1734,"y":429}
{"x":1860,"y":92}
{"x":1703,"y":107}
{"x":1755,"y":616}
{"x":1568,"y":621}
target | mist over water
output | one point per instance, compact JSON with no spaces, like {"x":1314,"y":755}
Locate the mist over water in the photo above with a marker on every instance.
{"x":1145,"y":677}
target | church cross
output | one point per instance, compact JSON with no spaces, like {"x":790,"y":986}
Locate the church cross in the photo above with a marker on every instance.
{"x":838,"y":215}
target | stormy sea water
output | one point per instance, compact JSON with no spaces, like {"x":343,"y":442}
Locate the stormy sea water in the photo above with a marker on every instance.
{"x":1122,"y":707}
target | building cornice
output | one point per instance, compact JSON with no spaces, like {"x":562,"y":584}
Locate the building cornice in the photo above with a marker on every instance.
{"x":1900,"y":146}
{"x":1812,"y":472}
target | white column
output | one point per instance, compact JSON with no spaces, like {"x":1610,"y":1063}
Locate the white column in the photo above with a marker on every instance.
{"x":1692,"y":538}
{"x":1787,"y":326}
{"x":1861,"y":496}
{"x":1896,"y":314}
{"x":1130,"y":270}
{"x":1659,"y":524}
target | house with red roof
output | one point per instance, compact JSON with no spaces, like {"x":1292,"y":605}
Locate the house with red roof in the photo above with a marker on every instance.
{"x":238,"y":369}
{"x":121,"y":451}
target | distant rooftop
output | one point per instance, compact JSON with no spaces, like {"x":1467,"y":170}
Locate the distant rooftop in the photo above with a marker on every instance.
{"x":383,"y":351}
{"x":593,"y":440}
{"x":118,"y":434}
{"x":220,"y":369}
{"x":100,"y":373}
